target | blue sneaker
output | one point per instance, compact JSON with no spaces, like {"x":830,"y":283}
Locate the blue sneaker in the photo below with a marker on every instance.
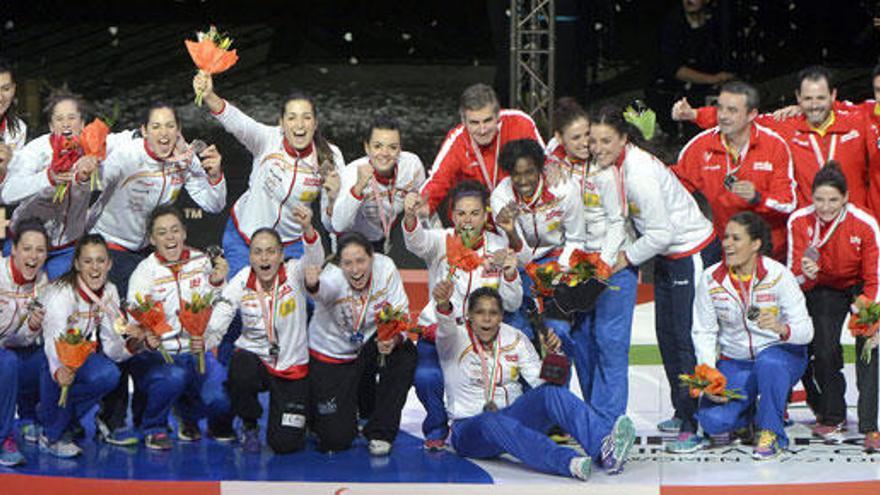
{"x":9,"y":454}
{"x":31,"y":432}
{"x":671,"y":425}
{"x":687,"y":443}
{"x":617,"y":445}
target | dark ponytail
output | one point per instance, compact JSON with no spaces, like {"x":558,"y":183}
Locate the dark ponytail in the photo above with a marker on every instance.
{"x":757,"y":229}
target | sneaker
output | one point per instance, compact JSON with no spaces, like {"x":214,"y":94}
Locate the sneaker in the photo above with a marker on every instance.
{"x":379,"y":448}
{"x":188,"y":431}
{"x":250,"y":441}
{"x":830,"y":434}
{"x":671,"y":425}
{"x":768,"y":446}
{"x":617,"y":445}
{"x":31,"y":432}
{"x":222,"y":432}
{"x":745,"y":435}
{"x":687,"y":443}
{"x":158,"y":441}
{"x":122,"y":437}
{"x":9,"y":454}
{"x":581,"y":468}
{"x":872,"y":442}
{"x":63,"y":448}
{"x":435,"y":445}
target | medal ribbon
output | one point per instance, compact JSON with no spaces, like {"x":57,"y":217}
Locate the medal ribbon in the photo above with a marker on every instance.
{"x":818,"y":151}
{"x":364,"y":305}
{"x":819,"y":243}
{"x":269,"y":317}
{"x":386,"y":222}
{"x":108,"y":309}
{"x":745,"y":294}
{"x":489,"y":385}
{"x":490,"y":182}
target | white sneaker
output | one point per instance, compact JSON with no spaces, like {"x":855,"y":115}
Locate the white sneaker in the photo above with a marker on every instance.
{"x":581,"y":467}
{"x":380,"y":447}
{"x":64,"y":449}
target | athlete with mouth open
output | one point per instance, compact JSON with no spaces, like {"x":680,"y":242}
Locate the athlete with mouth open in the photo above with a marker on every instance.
{"x":174,"y":275}
{"x":21,"y":358}
{"x":272,"y":351}
{"x":35,"y":171}
{"x":484,"y":361}
{"x":469,"y":204}
{"x":345,"y":349}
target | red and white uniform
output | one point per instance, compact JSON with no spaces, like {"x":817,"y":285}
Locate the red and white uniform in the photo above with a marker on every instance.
{"x":68,"y":307}
{"x":281,"y":308}
{"x":345,"y":319}
{"x":280,"y":178}
{"x":464,"y":381}
{"x":721,"y":304}
{"x":848,"y":253}
{"x":845,"y":140}
{"x":173,"y":286}
{"x":552,"y":224}
{"x":766,"y":162}
{"x":28,"y":183}
{"x":16,"y":295}
{"x":375,"y":211}
{"x":15,"y":140}
{"x":665,"y":215}
{"x":603,"y":208}
{"x":136,"y":181}
{"x":430,"y":245}
{"x":458,"y":158}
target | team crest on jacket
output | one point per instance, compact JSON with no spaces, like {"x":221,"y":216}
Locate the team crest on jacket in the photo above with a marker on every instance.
{"x":855,"y":240}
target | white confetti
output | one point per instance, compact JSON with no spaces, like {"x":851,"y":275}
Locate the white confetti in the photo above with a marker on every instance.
{"x":348,"y":37}
{"x":406,"y":36}
{"x":353,"y":60}
{"x":113,"y":30}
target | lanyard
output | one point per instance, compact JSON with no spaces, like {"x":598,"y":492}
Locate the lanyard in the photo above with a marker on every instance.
{"x":362,"y":310}
{"x":820,"y":158}
{"x":745,"y":295}
{"x":536,"y":197}
{"x":819,"y":243}
{"x":269,"y":317}
{"x":490,"y":379}
{"x":386,"y":222}
{"x":740,"y":157}
{"x":110,"y":310}
{"x":490,"y":182}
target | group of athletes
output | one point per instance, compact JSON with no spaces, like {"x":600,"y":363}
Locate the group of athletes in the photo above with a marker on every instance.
{"x":760,"y":292}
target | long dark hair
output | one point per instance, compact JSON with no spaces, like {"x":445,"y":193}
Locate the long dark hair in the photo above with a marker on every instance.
{"x":322,"y":146}
{"x":69,"y":278}
{"x":482,"y":292}
{"x":757,"y":229}
{"x":30,"y":225}
{"x":830,"y":175}
{"x":352,"y":238}
{"x":13,"y":119}
{"x":566,"y":112}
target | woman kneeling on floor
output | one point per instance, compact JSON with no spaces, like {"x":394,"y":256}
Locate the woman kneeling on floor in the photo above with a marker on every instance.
{"x":751,"y":323}
{"x":492,"y":416}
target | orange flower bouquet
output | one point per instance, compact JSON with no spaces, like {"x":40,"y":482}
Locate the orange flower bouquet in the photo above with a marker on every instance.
{"x":94,"y":143}
{"x":151,"y":315}
{"x":863,"y":322}
{"x":194,"y":317}
{"x":211,"y":54}
{"x":65,"y":152}
{"x":545,"y":276}
{"x":709,"y":380}
{"x":390,"y":322}
{"x":585,"y":266}
{"x":460,"y":254}
{"x":73,"y":350}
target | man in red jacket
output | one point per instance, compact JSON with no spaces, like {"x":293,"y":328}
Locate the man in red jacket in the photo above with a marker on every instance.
{"x":820,"y":134}
{"x":471,"y":148}
{"x":740,"y":165}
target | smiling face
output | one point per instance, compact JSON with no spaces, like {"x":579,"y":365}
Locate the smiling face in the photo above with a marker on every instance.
{"x":482,"y":124}
{"x":93,"y":265}
{"x":383,"y":150}
{"x":66,"y":119}
{"x":575,"y":139}
{"x":525,"y":177}
{"x":739,"y":248}
{"x":485,"y":319}
{"x":266,"y":256}
{"x":734,"y":117}
{"x":299,"y":123}
{"x":7,"y":92}
{"x":816,"y":99}
{"x":29,"y":253}
{"x":469,"y":214}
{"x":168,"y":237}
{"x":829,"y":201}
{"x":357,"y":265}
{"x":161,"y":131}
{"x":606,"y":144}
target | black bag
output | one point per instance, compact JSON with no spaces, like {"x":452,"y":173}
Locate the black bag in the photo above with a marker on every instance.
{"x":578,"y":299}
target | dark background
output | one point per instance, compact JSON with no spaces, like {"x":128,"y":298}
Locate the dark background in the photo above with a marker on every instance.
{"x":407,"y":58}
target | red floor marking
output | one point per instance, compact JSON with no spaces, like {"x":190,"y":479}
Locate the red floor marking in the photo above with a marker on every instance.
{"x":52,"y":485}
{"x":843,"y":488}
